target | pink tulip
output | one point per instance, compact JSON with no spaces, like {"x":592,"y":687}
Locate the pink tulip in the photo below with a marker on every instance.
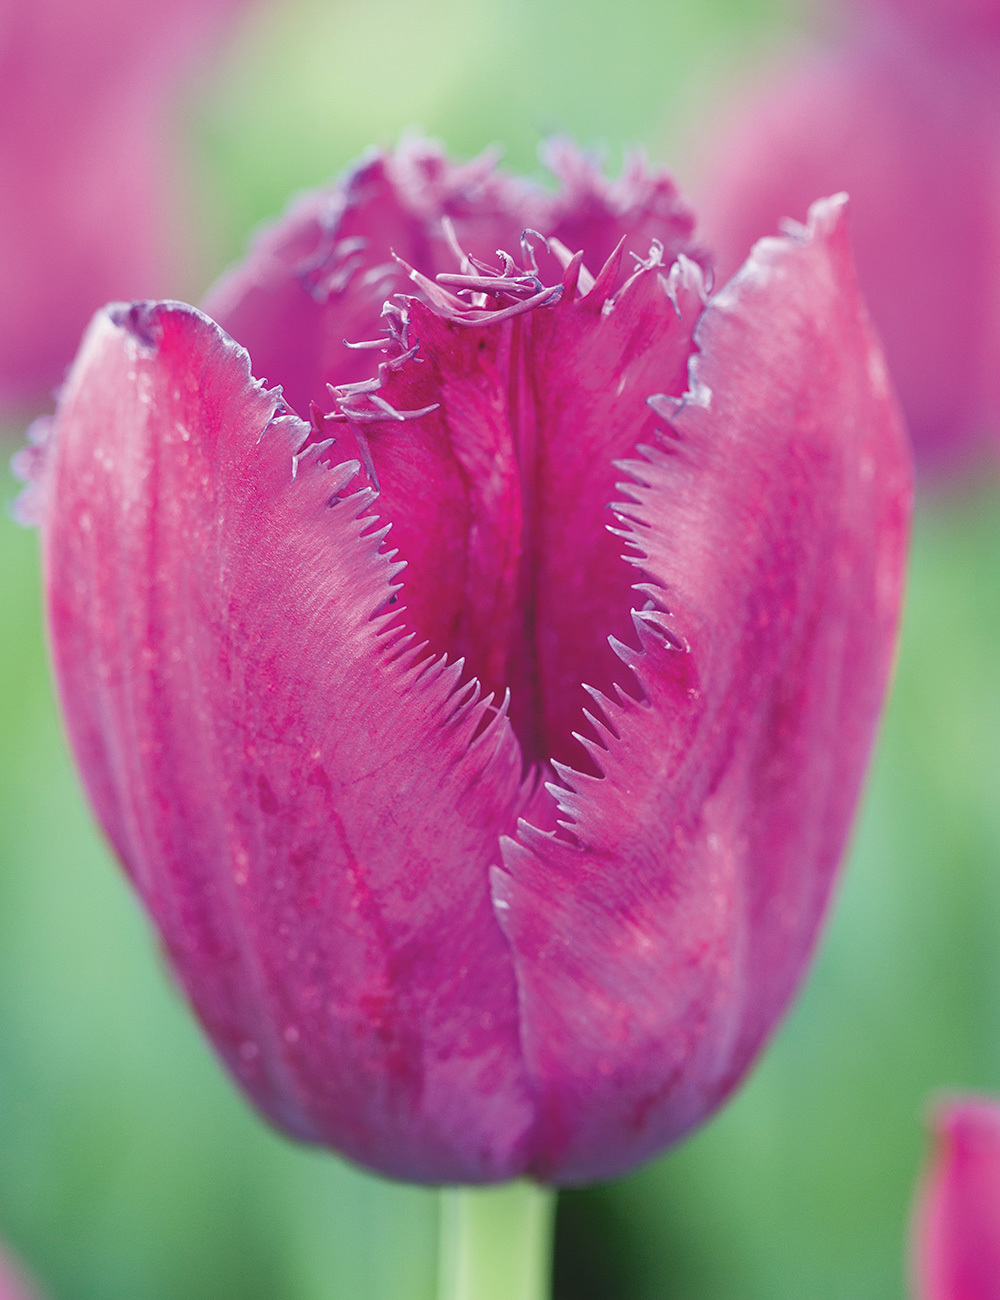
{"x":423,"y":921}
{"x":13,"y":1283}
{"x":956,"y":1239}
{"x":948,"y":20}
{"x":85,"y":169}
{"x":905,"y":117}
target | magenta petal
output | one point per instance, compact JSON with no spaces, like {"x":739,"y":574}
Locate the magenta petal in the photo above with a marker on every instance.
{"x":592,"y":366}
{"x":320,"y":276}
{"x":593,"y":213}
{"x":499,"y":498}
{"x":308,"y":807}
{"x":956,"y":1243}
{"x":658,"y":940}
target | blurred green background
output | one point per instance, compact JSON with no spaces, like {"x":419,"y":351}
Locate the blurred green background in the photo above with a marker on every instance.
{"x":129,"y":1169}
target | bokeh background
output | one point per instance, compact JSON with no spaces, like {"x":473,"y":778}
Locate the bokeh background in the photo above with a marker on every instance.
{"x":129,"y":1169}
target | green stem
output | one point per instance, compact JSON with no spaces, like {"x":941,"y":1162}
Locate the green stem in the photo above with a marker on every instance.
{"x":496,"y":1242}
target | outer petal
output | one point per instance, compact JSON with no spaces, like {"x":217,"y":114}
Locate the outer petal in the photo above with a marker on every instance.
{"x":658,"y":940}
{"x":956,"y":1243}
{"x":912,"y":137}
{"x":301,"y":801}
{"x":84,"y":166}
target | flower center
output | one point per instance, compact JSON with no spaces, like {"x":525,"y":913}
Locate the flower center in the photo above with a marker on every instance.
{"x":490,"y":432}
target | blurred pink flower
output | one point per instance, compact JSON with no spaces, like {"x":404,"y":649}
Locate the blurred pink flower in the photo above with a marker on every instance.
{"x":85,"y":168}
{"x":423,"y":921}
{"x":905,"y":117}
{"x":956,"y":1230}
{"x":950,"y":21}
{"x":13,"y":1283}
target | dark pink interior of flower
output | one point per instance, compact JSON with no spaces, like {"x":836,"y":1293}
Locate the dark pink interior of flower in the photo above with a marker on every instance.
{"x":493,"y":444}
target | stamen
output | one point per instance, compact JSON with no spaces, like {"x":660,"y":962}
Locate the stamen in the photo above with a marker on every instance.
{"x":368,"y":343}
{"x":516,"y":309}
{"x":528,"y":249}
{"x":493,"y":285}
{"x":353,"y":415}
{"x":451,"y":239}
{"x":365,"y":456}
{"x":434,"y":293}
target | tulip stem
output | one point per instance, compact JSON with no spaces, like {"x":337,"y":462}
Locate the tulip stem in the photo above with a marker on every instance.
{"x":496,"y":1242}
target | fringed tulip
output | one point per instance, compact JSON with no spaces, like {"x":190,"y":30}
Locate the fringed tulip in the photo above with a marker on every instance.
{"x":956,"y":1238}
{"x":904,"y":116}
{"x":508,"y":861}
{"x":85,"y":168}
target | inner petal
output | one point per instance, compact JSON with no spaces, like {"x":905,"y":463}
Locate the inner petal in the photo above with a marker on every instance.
{"x":320,"y":276}
{"x":498,"y":497}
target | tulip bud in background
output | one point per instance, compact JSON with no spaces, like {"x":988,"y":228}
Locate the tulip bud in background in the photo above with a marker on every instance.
{"x":904,"y":114}
{"x":13,"y":1283}
{"x":509,"y":860}
{"x":955,"y":22}
{"x":956,"y":1229}
{"x":88,"y":208}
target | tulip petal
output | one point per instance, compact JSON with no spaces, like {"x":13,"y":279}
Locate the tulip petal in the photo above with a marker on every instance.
{"x":308,"y":805}
{"x":320,"y":275}
{"x":592,"y":213}
{"x":957,"y":1225}
{"x":659,"y":936}
{"x":510,"y":561}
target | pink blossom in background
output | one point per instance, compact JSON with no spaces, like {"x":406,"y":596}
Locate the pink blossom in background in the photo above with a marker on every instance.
{"x":951,"y":21}
{"x":87,"y":186}
{"x":511,"y":859}
{"x":956,"y":1230}
{"x":13,"y":1283}
{"x":904,"y":115}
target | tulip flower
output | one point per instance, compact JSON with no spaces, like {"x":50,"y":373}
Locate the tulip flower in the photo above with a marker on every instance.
{"x":509,"y":860}
{"x":904,"y":114}
{"x":951,"y":21}
{"x":956,"y":1237}
{"x":13,"y":1284}
{"x":85,"y":167}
